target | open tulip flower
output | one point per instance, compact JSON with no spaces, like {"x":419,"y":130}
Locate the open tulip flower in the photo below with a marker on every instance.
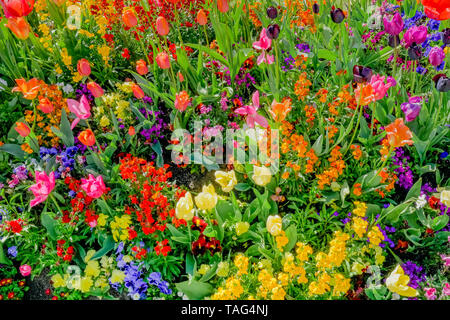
{"x":43,"y":187}
{"x":264,"y":44}
{"x":81,"y":109}
{"x":29,"y":89}
{"x":17,"y":8}
{"x":251,"y":114}
{"x":437,"y":9}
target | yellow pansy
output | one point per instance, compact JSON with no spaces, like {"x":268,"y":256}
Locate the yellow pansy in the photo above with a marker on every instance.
{"x":117,"y":276}
{"x":92,"y":268}
{"x":86,"y":284}
{"x":59,"y":281}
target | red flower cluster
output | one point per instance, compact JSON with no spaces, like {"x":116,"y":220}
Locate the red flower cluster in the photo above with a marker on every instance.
{"x":65,"y":253}
{"x":139,"y":253}
{"x":14,"y":226}
{"x":162,"y":248}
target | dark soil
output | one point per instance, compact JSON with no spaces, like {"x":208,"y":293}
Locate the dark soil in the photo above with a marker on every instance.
{"x":38,"y":286}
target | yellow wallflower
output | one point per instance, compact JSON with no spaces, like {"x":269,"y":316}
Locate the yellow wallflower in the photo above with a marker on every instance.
{"x":102,"y":219}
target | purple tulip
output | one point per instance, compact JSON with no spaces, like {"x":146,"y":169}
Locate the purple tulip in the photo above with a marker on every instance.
{"x":442,"y":82}
{"x":415,"y":34}
{"x":436,"y":56}
{"x":412,"y":108}
{"x":446,"y":36}
{"x":395,"y":26}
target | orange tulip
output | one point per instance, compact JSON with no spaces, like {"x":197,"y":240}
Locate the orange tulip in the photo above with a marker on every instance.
{"x":17,"y":8}
{"x":141,"y":67}
{"x":137,"y":91}
{"x":131,"y":131}
{"x":29,"y":88}
{"x":437,"y":9}
{"x":84,"y":68}
{"x":95,"y":89}
{"x":87,"y":137}
{"x":222,"y":5}
{"x":364,"y":94}
{"x":162,"y":26}
{"x":398,"y":134}
{"x":129,"y":18}
{"x":201,"y":17}
{"x":180,"y":76}
{"x":22,"y":129}
{"x":163,"y":61}
{"x":279,"y":110}
{"x":45,"y":105}
{"x":20,"y":27}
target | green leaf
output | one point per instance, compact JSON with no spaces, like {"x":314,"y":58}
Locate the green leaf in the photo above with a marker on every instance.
{"x":191,"y":264}
{"x":414,"y":192}
{"x":159,"y":154}
{"x":439,"y":222}
{"x":291,"y":234}
{"x":242,"y":187}
{"x":50,"y":224}
{"x":195,"y":290}
{"x":107,"y":246}
{"x":392,"y":213}
{"x":326,"y":54}
{"x":14,"y":149}
{"x":3,"y":258}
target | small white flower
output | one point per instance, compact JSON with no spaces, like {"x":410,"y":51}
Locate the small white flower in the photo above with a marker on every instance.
{"x":67,"y":88}
{"x":421,"y":202}
{"x":3,"y":84}
{"x":136,"y":296}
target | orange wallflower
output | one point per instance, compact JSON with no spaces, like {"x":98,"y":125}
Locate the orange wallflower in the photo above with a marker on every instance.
{"x":87,"y":137}
{"x":279,"y":110}
{"x":357,"y":189}
{"x":357,"y":153}
{"x":302,"y":86}
{"x":398,"y":134}
{"x":29,"y":88}
{"x":310,"y":114}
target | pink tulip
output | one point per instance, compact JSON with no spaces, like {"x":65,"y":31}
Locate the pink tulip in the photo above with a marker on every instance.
{"x":252,"y":115}
{"x":379,"y":87}
{"x":395,"y":26}
{"x":94,"y":187}
{"x":264,"y":44}
{"x":436,"y":56}
{"x":415,"y":34}
{"x":25,"y":270}
{"x":44,"y":185}
{"x":81,"y":109}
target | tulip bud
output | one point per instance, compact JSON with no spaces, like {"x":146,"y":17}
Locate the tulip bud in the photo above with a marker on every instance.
{"x":141,"y":67}
{"x":95,"y":89}
{"x":436,"y":56}
{"x":162,"y":26}
{"x":131,"y":131}
{"x":442,"y":82}
{"x":20,"y":27}
{"x":337,"y":15}
{"x":163,"y":61}
{"x":180,"y":76}
{"x":201,"y":17}
{"x":137,"y":91}
{"x":272,"y":12}
{"x":45,"y":105}
{"x":22,"y":129}
{"x":84,"y":68}
{"x":129,"y":18}
{"x":315,"y":8}
{"x":361,"y":74}
{"x":273,"y":31}
{"x":223,"y":6}
{"x":414,"y":52}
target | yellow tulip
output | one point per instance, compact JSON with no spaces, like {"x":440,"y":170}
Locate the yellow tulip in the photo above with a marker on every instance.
{"x":185,"y":208}
{"x":241,"y":228}
{"x":207,"y":199}
{"x":445,"y":197}
{"x":397,"y":282}
{"x":227,"y":180}
{"x":261,"y":175}
{"x":274,"y":225}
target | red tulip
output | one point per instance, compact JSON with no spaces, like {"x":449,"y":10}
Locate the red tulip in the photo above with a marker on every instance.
{"x":163,"y":61}
{"x":138,"y":92}
{"x":87,"y":137}
{"x":437,"y":9}
{"x":162,"y":26}
{"x":95,"y":89}
{"x":17,"y":8}
{"x":84,"y":68}
{"x":45,"y":105}
{"x":22,"y":129}
{"x":141,"y":67}
{"x":129,"y":18}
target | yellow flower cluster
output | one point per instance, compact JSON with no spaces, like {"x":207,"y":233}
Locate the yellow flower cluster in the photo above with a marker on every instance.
{"x":269,"y":286}
{"x":119,"y":227}
{"x":320,"y":286}
{"x":281,"y":240}
{"x":232,"y":290}
{"x":241,"y":262}
{"x":375,"y":236}
{"x":336,"y":254}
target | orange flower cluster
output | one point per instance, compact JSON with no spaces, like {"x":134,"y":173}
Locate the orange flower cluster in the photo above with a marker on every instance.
{"x":310,"y":114}
{"x":252,"y":13}
{"x":311,"y":161}
{"x":302,"y":86}
{"x":345,"y":96}
{"x":356,"y":151}
{"x":332,"y":130}
{"x":302,"y":15}
{"x":322,"y":94}
{"x":336,"y":168}
{"x":388,"y":177}
{"x":357,"y":189}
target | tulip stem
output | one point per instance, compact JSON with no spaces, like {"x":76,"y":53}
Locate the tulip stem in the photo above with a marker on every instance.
{"x":373,"y":118}
{"x":357,"y":125}
{"x":382,"y":165}
{"x":96,"y":141}
{"x":56,"y":203}
{"x":206,"y":35}
{"x":413,"y":70}
{"x":277,"y":67}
